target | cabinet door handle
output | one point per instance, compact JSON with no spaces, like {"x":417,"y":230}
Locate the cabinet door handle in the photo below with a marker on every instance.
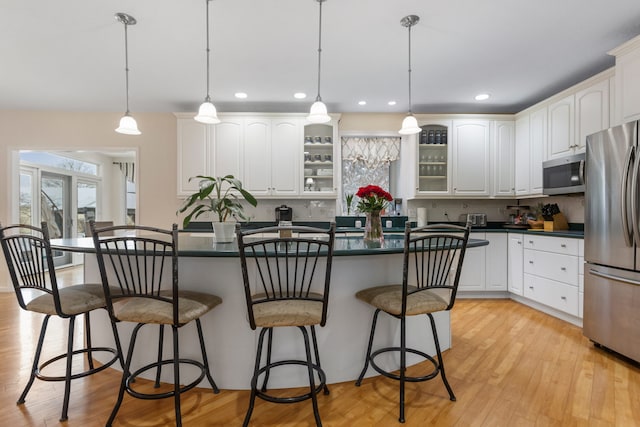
{"x":563,"y":298}
{"x":563,"y":268}
{"x":531,"y":242}
{"x":530,"y":262}
{"x":531,"y":287}
{"x":519,"y":242}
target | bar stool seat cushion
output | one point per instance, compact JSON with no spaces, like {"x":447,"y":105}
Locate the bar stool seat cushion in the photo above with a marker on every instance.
{"x":74,"y":300}
{"x":283,"y":312}
{"x":388,"y":298}
{"x":191,"y":305}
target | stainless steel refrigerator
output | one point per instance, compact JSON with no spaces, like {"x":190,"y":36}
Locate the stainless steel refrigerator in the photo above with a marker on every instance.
{"x":612,"y":240}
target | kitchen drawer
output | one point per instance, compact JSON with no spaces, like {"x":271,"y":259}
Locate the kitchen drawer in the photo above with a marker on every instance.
{"x":559,"y":245}
{"x":562,"y":268}
{"x":554,"y":294}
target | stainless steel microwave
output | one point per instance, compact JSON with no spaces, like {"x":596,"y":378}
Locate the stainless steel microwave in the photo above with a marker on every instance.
{"x":564,"y":175}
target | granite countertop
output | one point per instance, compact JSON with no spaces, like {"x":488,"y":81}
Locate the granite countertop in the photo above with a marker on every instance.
{"x":203,"y":245}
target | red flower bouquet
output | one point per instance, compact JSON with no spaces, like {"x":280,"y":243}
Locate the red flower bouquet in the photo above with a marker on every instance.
{"x":372,"y":198}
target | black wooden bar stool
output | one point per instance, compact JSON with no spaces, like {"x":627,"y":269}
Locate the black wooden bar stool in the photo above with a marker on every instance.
{"x":433,"y":257}
{"x":286,"y":273}
{"x":28,"y":253}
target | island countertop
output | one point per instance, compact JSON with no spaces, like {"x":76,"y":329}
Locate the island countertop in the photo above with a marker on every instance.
{"x":199,"y":244}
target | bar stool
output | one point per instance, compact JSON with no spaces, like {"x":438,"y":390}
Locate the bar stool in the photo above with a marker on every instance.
{"x":29,"y":257}
{"x":143,"y":267}
{"x":286,"y":282}
{"x":431,"y":271}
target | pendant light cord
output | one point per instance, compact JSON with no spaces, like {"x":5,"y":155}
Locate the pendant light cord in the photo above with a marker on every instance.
{"x":318,"y":98}
{"x":208,"y":98}
{"x":126,"y":65}
{"x":410,"y":69}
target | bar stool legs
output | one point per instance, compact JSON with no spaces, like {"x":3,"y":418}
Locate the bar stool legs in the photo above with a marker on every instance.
{"x":313,"y":370}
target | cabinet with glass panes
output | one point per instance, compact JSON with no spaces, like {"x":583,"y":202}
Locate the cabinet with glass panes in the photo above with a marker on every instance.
{"x":319,"y":174}
{"x":433,"y":158}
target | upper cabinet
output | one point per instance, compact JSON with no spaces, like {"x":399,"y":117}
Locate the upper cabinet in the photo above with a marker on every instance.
{"x":627,"y":81}
{"x":577,"y":115}
{"x":462,"y":157}
{"x":531,"y":139}
{"x":561,"y":118}
{"x":272,"y":154}
{"x":471,"y":157}
{"x":503,"y":157}
{"x":321,"y":159}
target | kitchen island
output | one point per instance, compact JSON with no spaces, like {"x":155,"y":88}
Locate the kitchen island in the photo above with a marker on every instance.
{"x":231,"y":344}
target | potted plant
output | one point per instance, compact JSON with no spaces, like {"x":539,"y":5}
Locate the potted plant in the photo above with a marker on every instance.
{"x":221,"y":195}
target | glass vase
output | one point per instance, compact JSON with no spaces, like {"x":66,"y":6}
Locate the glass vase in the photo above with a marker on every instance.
{"x":373,"y":227}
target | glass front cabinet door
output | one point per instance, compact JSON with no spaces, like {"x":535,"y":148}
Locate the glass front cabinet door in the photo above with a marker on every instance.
{"x":433,"y":158}
{"x":320,"y":163}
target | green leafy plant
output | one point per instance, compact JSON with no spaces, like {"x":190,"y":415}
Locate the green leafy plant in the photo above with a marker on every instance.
{"x":221,"y":195}
{"x":349,"y":199}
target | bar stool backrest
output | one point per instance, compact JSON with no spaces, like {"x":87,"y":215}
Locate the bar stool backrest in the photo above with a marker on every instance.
{"x":138,"y":261}
{"x":433,"y":257}
{"x":296,"y":267}
{"x":27,"y":251}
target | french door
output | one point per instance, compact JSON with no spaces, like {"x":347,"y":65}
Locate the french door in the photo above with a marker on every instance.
{"x":55,"y":209}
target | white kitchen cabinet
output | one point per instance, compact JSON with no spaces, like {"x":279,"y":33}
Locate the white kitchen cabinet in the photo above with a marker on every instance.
{"x":516,"y":263}
{"x":551,"y":272}
{"x":471,"y":157}
{"x":592,"y":112}
{"x":503,"y":155}
{"x":530,"y":146}
{"x":271,"y":156}
{"x":193,"y":153}
{"x":537,"y":146}
{"x":561,"y":127}
{"x":206,"y":150}
{"x":496,"y":260}
{"x":473,"y":275}
{"x":322,"y":156}
{"x":484,"y":268}
{"x":522,"y":156}
{"x":226,"y":147}
{"x":433,"y":154}
{"x":627,"y":81}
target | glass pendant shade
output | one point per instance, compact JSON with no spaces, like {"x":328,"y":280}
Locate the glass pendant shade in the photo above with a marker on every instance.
{"x":409,"y":126}
{"x":128,"y":126}
{"x":207,"y":114}
{"x":318,"y":113}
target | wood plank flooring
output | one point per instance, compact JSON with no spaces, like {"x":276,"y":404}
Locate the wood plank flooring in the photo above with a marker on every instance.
{"x":509,"y":366}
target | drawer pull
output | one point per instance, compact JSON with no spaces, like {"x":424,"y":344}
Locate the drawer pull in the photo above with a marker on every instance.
{"x":563,"y":298}
{"x":563,"y":268}
{"x":563,"y":245}
{"x":519,"y":242}
{"x":531,"y":242}
{"x":531,"y":287}
{"x":530,"y":262}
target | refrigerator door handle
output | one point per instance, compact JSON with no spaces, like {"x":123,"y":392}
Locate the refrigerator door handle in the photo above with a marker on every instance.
{"x":634,"y":199}
{"x":628,"y":236}
{"x":581,"y":172}
{"x":614,"y":277}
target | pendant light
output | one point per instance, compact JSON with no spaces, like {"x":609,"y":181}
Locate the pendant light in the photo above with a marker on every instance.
{"x":128,"y":125}
{"x":318,"y":112}
{"x":409,"y":124}
{"x":207,"y":112}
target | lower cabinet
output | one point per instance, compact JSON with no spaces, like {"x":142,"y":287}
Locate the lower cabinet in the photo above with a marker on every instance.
{"x":552,"y":270}
{"x":484,"y":268}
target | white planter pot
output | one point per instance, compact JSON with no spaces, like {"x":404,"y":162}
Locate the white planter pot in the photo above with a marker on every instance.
{"x":224,"y":231}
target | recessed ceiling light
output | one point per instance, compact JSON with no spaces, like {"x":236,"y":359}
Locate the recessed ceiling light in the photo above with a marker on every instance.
{"x":300,"y":95}
{"x":362,"y":102}
{"x":391,"y":102}
{"x":482,"y":97}
{"x":240,"y":95}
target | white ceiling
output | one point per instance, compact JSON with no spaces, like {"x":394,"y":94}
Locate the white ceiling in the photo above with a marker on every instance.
{"x":69,"y":54}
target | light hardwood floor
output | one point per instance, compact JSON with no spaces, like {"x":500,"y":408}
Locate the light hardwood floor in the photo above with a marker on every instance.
{"x":509,"y":366}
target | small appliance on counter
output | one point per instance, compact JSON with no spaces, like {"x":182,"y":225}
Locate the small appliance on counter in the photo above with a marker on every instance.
{"x":476,"y":219}
{"x":284,"y":213}
{"x":517,"y":220}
